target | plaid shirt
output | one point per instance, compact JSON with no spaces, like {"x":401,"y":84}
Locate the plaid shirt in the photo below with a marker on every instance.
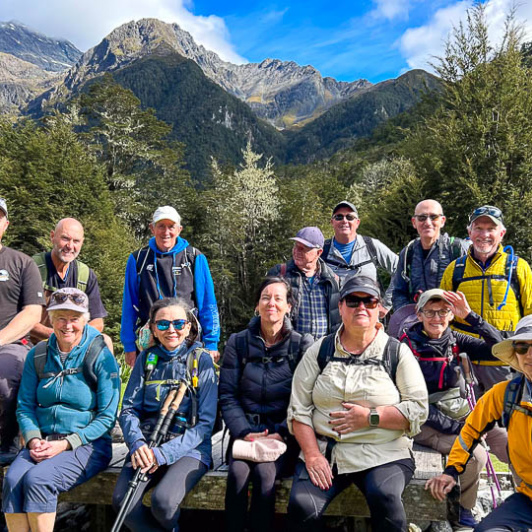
{"x":312,"y":316}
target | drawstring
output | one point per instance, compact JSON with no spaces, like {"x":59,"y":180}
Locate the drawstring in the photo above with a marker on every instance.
{"x":510,"y":271}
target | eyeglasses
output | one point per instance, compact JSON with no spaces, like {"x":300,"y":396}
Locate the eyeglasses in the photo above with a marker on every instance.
{"x":354,"y":301}
{"x":423,"y":217}
{"x":431,"y":313}
{"x":521,"y":348}
{"x":164,"y":325}
{"x":486,"y":210}
{"x":350,"y":217}
{"x":61,"y":297}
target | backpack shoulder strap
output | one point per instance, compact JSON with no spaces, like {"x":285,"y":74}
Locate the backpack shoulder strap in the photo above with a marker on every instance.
{"x":282,"y":271}
{"x":92,"y":353}
{"x":458,"y":272}
{"x":40,"y":260}
{"x":141,"y":257}
{"x":83,"y":276}
{"x":371,"y":248}
{"x":391,"y":356}
{"x":514,"y":279}
{"x":193,"y":359}
{"x":407,"y":265}
{"x":326,"y":248}
{"x":326,"y":351}
{"x":242,"y":346}
{"x":294,"y":346}
{"x":512,"y":396}
{"x":39,"y":358}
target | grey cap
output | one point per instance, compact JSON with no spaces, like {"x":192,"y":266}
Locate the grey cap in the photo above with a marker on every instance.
{"x":69,"y":299}
{"x":312,"y":237}
{"x":360,"y":283}
{"x":491,"y":212}
{"x":431,"y":295}
{"x":3,"y":206}
{"x":347,"y":204}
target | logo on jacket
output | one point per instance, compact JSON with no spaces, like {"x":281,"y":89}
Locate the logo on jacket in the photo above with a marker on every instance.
{"x":4,"y":275}
{"x":149,"y":267}
{"x":176,"y":270}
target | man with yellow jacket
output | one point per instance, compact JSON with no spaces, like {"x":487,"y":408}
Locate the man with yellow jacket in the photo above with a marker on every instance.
{"x":497,"y":285}
{"x":510,"y":402}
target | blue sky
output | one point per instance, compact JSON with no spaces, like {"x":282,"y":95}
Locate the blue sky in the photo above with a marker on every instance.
{"x":347,"y":40}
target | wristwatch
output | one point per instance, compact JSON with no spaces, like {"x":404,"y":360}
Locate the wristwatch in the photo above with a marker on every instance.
{"x":373,"y":418}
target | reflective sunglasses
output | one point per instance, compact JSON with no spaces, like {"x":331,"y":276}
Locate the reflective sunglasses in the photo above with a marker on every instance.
{"x":521,"y":348}
{"x":423,"y":217}
{"x":441,"y":313}
{"x":164,"y":325}
{"x":350,"y":217}
{"x":60,"y":298}
{"x":486,"y":210}
{"x":354,"y":301}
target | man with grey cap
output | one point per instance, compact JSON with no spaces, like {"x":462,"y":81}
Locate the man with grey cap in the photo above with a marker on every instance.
{"x":349,"y":253}
{"x":21,"y":298}
{"x":497,"y":285}
{"x":508,"y":403}
{"x":315,"y":289}
{"x":168,"y":267}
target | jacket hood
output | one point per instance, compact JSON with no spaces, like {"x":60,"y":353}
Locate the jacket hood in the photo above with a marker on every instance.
{"x":180,"y":245}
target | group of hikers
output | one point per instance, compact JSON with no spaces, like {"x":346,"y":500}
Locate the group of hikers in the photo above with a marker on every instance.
{"x":316,"y":387}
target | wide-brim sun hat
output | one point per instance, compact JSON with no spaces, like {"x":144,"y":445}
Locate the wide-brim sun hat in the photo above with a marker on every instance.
{"x":504,"y":350}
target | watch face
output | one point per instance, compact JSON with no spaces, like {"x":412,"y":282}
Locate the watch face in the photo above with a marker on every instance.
{"x":374,"y":419}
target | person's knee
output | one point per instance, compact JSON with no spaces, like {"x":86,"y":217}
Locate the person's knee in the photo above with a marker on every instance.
{"x":264,"y":478}
{"x":38,"y":481}
{"x":384,"y":496}
{"x":302,"y":507}
{"x":165,"y":508}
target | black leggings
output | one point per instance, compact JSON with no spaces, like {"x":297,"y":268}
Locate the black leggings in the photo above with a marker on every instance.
{"x":172,"y":484}
{"x":382,"y":486}
{"x":514,"y":514}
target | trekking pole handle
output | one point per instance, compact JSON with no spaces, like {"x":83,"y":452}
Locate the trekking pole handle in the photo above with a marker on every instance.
{"x":466,"y":364}
{"x":178,"y":397}
{"x":162,"y":415}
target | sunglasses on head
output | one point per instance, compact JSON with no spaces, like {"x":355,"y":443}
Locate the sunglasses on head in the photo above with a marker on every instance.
{"x":487,"y":211}
{"x":423,"y":217}
{"x":60,"y":298}
{"x":164,"y":325}
{"x":354,"y":301}
{"x":350,"y":217}
{"x":521,"y":348}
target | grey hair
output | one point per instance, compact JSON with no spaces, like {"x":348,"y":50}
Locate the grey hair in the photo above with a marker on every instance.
{"x":85,"y":315}
{"x":470,"y":226}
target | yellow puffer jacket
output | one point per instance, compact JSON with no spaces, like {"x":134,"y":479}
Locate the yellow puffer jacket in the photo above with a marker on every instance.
{"x":488,"y":410}
{"x":485,"y":291}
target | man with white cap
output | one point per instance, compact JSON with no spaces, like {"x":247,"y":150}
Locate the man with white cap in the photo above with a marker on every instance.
{"x":168,"y":267}
{"x":349,"y":253}
{"x":497,"y":285}
{"x":510,"y":403}
{"x":315,"y":289}
{"x":21,"y":300}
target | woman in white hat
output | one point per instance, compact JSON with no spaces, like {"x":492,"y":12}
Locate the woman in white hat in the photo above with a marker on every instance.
{"x":508,"y":402}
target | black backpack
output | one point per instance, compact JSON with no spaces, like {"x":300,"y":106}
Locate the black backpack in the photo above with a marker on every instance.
{"x":87,"y":368}
{"x":389,"y":361}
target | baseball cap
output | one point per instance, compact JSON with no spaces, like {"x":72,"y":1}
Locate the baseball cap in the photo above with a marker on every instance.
{"x":347,"y":204}
{"x":493,"y":213}
{"x":430,"y":295}
{"x":311,"y":237}
{"x":3,"y":205}
{"x":69,"y":299}
{"x":166,"y":213}
{"x":360,"y":283}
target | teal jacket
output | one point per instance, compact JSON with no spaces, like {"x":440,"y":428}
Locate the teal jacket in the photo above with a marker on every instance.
{"x":67,"y":405}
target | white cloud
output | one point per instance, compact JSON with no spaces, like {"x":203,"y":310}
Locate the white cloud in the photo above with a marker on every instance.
{"x":391,"y":9}
{"x":86,"y":23}
{"x":419,"y":46}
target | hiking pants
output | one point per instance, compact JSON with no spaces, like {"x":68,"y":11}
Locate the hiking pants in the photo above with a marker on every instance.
{"x":171,"y":483}
{"x":514,"y":514}
{"x":34,"y":487}
{"x":382,"y":486}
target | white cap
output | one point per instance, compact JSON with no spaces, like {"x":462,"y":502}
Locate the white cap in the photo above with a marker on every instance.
{"x":166,"y":213}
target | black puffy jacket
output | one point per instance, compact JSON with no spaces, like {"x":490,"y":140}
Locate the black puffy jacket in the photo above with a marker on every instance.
{"x":255,"y":386}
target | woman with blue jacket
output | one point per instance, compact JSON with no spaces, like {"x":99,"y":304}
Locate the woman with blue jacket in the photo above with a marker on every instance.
{"x":175,"y":466}
{"x":67,"y":405}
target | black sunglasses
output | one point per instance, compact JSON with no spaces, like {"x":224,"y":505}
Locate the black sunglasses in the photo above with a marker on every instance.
{"x":164,"y":325}
{"x":354,"y":301}
{"x":61,"y":297}
{"x":486,"y":210}
{"x":423,"y":217}
{"x":350,"y":217}
{"x":521,"y":348}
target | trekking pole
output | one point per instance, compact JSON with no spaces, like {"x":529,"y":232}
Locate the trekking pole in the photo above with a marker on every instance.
{"x":490,"y":470}
{"x":166,"y":415}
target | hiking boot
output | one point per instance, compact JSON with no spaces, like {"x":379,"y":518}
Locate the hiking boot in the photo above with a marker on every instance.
{"x":466,"y":518}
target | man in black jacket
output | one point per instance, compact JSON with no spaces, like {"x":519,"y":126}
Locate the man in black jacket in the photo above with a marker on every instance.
{"x":315,"y":287}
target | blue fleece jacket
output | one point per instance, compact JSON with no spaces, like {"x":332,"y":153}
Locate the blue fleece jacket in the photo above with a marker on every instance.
{"x":205,"y":299}
{"x":67,"y":404}
{"x":141,"y":405}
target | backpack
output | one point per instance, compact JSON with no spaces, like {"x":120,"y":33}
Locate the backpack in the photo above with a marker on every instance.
{"x":82,"y":268}
{"x":389,"y":361}
{"x":141,"y":257}
{"x":294,"y":343}
{"x":512,"y":397}
{"x":511,"y":264}
{"x":371,"y":250}
{"x":87,"y":367}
